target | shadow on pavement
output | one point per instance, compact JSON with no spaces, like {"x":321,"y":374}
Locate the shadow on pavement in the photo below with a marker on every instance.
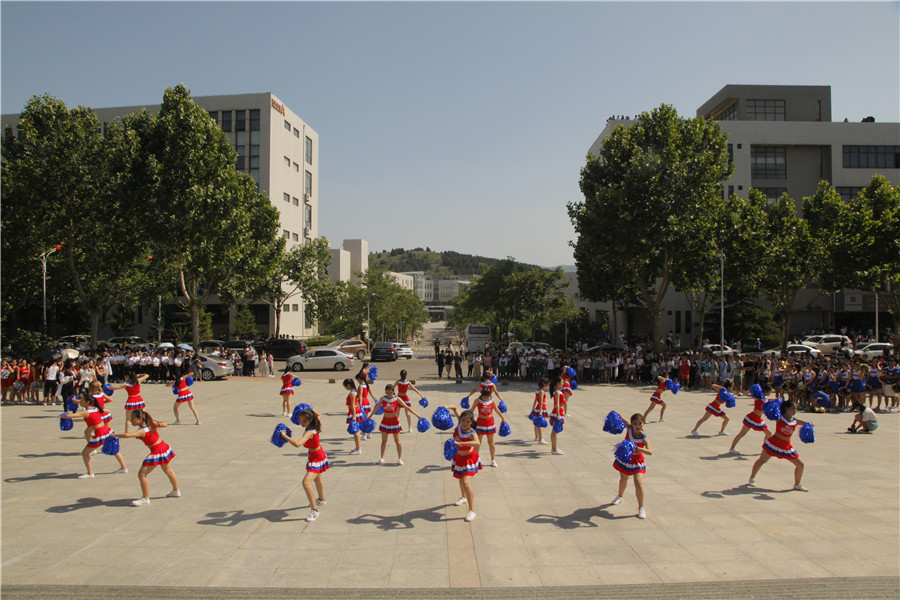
{"x":744,"y":490}
{"x":582,"y":517}
{"x":49,"y":454}
{"x":230,"y":518}
{"x":402,"y":521}
{"x":40,"y":476}
{"x":88,"y":503}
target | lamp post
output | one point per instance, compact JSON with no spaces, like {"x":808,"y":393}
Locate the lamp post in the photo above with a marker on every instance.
{"x":43,"y":258}
{"x":722,"y":301}
{"x":368,"y":332}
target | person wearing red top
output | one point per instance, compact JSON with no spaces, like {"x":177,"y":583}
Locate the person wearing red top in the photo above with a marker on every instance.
{"x":363,"y":393}
{"x":656,"y":398}
{"x":466,"y":462}
{"x":390,"y":422}
{"x":752,"y":420}
{"x":287,"y":391}
{"x":484,"y":425}
{"x":714,"y":408}
{"x":539,"y":408}
{"x":160,"y":454}
{"x":317,"y":461}
{"x":560,"y":403}
{"x":402,"y":386}
{"x":184,"y":395}
{"x":7,"y":378}
{"x":636,"y":467}
{"x":487,"y":384}
{"x":779,"y":445}
{"x":132,"y":387}
{"x":99,"y":433}
{"x":354,"y":412}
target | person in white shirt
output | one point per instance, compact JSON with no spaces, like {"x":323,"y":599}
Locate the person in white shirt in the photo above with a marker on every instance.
{"x":50,"y":382}
{"x":865,"y":420}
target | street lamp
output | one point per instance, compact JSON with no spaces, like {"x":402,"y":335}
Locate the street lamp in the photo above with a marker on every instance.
{"x":722,"y":302}
{"x":368,"y":332}
{"x":43,"y":258}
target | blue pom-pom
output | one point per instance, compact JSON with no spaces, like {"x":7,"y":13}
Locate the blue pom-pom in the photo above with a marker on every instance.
{"x":175,"y":389}
{"x":558,"y":426}
{"x":614,"y":423}
{"x":72,"y":403}
{"x":823,"y":400}
{"x":367,"y":426}
{"x":373,"y":373}
{"x":540,"y":422}
{"x":624,"y":450}
{"x":423,"y":402}
{"x":494,"y":379}
{"x":450,"y":449}
{"x":730,"y":400}
{"x":189,"y":380}
{"x":772,"y":409}
{"x":502,"y":407}
{"x":295,"y":416}
{"x":379,"y":410}
{"x":573,"y":384}
{"x":276,"y":436}
{"x":807,"y":435}
{"x":464,"y":402}
{"x":65,"y":424}
{"x":675,"y":387}
{"x":756,"y":391}
{"x":108,"y":389}
{"x":441,"y":419}
{"x":423,"y":425}
{"x":111,"y":446}
{"x":353,"y":427}
{"x":570,"y":372}
{"x":504,"y":429}
{"x":669,"y":383}
{"x":296,"y":381}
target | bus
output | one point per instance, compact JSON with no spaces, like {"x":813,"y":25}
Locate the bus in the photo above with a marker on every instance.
{"x":476,"y":337}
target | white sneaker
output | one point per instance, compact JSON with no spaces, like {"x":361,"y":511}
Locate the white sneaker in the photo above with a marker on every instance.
{"x":617,"y":500}
{"x":722,"y":433}
{"x":471,"y":516}
{"x":557,"y":452}
{"x":661,"y":421}
{"x":694,"y":433}
{"x":93,"y":453}
{"x":140,"y":502}
{"x":800,"y":488}
{"x":380,"y":461}
{"x":320,"y":502}
{"x":494,"y":464}
{"x":544,"y":443}
{"x":461,"y":501}
{"x":641,"y":514}
{"x":198,"y":422}
{"x":399,"y":461}
{"x":354,"y":452}
{"x":118,"y":471}
{"x":177,"y":423}
{"x":174,"y":494}
{"x":86,"y":476}
{"x":313,"y":515}
{"x":734,"y":451}
{"x":751,"y":482}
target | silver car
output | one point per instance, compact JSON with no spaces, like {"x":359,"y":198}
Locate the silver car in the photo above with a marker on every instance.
{"x":403,"y":351}
{"x":321,"y":358}
{"x":214,"y":367}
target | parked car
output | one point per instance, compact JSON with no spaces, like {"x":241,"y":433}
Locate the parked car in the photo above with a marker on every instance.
{"x":719,"y":350}
{"x":384,"y":351}
{"x":355,"y":348}
{"x":829,"y":343}
{"x":321,"y":358}
{"x":281,"y":348}
{"x":794,"y":349}
{"x":873,"y":350}
{"x":607,"y":348}
{"x":214,"y":367}
{"x":132,"y":341}
{"x":75,"y":341}
{"x":403,"y":351}
{"x":210,"y":344}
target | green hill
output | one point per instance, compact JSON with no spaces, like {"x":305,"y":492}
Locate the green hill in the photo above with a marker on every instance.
{"x":433,"y":263}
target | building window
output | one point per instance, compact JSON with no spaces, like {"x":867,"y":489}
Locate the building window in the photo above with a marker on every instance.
{"x":677,"y":321}
{"x":730,"y":191}
{"x":214,"y":114}
{"x":765,"y":110}
{"x":254,"y":120}
{"x":287,"y":197}
{"x":307,"y":184}
{"x":729,"y":114}
{"x":286,"y":308}
{"x":296,"y":307}
{"x":848,"y":193}
{"x":241,"y":147}
{"x":226,"y":120}
{"x":240,"y":123}
{"x":308,"y":150}
{"x":767,"y":162}
{"x":296,"y":202}
{"x":296,"y":132}
{"x":307,"y":216}
{"x":687,"y":321}
{"x":287,"y":125}
{"x":772,"y":194}
{"x":254,"y":155}
{"x":287,"y":162}
{"x":295,"y":237}
{"x":287,"y":234}
{"x":871,"y":157}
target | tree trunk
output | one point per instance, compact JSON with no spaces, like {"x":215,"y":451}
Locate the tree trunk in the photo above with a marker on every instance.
{"x":195,"y":324}
{"x":95,"y":325}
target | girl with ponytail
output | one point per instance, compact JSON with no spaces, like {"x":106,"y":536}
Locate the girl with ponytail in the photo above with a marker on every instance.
{"x":160,"y":454}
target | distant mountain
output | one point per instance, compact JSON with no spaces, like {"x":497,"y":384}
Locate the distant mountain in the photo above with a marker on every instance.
{"x":434,"y":263}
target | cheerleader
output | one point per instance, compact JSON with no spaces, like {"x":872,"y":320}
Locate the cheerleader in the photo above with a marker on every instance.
{"x":354,"y":412}
{"x":160,"y":452}
{"x":316,"y":462}
{"x":95,"y":389}
{"x":559,"y":412}
{"x":714,"y":408}
{"x":656,"y":398}
{"x":390,"y":422}
{"x":99,"y":433}
{"x":858,"y":376}
{"x":752,"y":420}
{"x":779,"y":445}
{"x":184,"y":395}
{"x":466,"y":462}
{"x":287,"y":391}
{"x":777,"y":377}
{"x":486,"y":384}
{"x":637,"y":468}
{"x":6,"y":380}
{"x":364,"y":392}
{"x":403,"y":386}
{"x":485,"y":425}
{"x":873,"y":386}
{"x":132,"y":387}
{"x":539,"y":408}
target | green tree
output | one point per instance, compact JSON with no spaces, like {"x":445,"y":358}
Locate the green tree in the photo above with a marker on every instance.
{"x":243,"y":325}
{"x":300,"y":271}
{"x":652,"y":200}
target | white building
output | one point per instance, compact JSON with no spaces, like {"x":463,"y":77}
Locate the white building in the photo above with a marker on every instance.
{"x":349,"y":260}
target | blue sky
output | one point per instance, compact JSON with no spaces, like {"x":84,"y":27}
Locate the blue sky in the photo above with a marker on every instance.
{"x":458,"y":126}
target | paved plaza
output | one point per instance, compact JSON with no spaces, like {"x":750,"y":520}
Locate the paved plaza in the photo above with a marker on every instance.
{"x":543,"y":521}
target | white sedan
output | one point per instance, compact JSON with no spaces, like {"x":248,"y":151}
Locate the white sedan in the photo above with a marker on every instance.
{"x":321,"y":358}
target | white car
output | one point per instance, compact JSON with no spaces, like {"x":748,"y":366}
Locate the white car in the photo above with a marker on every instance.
{"x":829,"y":343}
{"x":793,"y":349}
{"x":718,"y":350}
{"x":873,"y":350}
{"x":403,"y":351}
{"x":321,"y":358}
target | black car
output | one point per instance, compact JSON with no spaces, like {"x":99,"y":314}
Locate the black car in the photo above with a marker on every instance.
{"x":282,"y":348}
{"x":384,"y":351}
